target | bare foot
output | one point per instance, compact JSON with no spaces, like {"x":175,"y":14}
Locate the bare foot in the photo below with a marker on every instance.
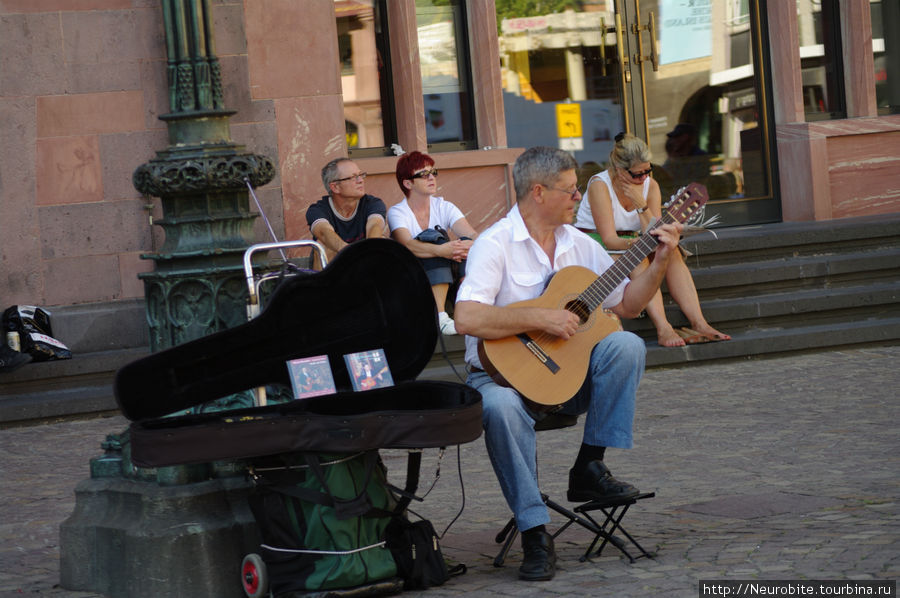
{"x":669,"y":338}
{"x":711,"y":333}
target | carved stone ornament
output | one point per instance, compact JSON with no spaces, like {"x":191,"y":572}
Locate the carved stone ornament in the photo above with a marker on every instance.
{"x":202,"y":174}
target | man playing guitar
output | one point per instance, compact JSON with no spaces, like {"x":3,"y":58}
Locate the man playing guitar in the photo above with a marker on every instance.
{"x":510,"y":263}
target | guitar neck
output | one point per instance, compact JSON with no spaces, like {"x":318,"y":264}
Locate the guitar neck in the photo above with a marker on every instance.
{"x":607,"y":282}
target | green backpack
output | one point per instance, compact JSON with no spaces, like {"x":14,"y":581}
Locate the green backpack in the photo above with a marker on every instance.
{"x":322,"y":519}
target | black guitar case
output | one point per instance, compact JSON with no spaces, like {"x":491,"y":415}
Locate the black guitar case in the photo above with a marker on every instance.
{"x":373,"y":295}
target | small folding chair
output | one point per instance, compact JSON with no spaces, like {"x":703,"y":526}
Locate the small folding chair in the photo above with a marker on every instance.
{"x":614,"y":511}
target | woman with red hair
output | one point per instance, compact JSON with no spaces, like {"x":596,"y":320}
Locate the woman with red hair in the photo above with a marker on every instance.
{"x":422,"y":222}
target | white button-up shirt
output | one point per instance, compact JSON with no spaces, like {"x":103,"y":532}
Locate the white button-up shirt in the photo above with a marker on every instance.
{"x":506,"y":265}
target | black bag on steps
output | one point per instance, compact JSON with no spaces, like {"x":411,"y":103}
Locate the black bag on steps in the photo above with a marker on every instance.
{"x":415,"y":545}
{"x":415,"y":548}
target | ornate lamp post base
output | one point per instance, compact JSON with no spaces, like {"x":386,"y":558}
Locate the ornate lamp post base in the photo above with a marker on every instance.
{"x":142,"y":540}
{"x":198,"y":286}
{"x":183,"y":530}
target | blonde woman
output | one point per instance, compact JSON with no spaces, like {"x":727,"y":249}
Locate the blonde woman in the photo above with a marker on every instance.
{"x":619,"y":203}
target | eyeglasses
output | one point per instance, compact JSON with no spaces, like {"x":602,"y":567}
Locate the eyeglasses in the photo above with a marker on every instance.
{"x":637,"y":175}
{"x":425,"y":174}
{"x":359,"y":176}
{"x":571,"y":193}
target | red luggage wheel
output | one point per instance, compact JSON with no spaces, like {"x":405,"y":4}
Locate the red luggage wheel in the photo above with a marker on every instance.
{"x":254,"y":576}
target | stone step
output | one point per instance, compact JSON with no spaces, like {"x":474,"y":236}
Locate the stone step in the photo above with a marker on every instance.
{"x":744,"y":344}
{"x":772,"y":341}
{"x":789,"y":307}
{"x":51,"y":389}
{"x":747,"y":279}
{"x":793,"y":239}
{"x":773,"y":288}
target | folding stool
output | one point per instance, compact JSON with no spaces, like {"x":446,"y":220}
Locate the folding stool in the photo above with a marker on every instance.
{"x":614,"y":511}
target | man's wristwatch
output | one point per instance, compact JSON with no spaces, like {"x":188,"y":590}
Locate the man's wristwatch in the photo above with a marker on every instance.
{"x":640,"y":210}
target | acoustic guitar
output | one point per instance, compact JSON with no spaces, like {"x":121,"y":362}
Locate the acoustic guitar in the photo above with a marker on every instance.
{"x":548,"y":370}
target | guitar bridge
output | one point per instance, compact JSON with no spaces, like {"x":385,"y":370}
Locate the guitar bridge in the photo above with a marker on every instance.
{"x":538,"y":352}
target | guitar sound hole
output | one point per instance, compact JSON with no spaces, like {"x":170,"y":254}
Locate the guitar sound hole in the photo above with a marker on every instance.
{"x":580,"y":309}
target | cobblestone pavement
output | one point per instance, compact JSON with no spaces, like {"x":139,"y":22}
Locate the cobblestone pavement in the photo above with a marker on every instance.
{"x":774,"y":468}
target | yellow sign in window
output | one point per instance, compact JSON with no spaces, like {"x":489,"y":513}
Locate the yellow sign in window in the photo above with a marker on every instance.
{"x":568,"y":120}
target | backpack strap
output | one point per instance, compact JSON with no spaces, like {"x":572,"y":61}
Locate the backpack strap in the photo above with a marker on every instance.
{"x":357,"y":506}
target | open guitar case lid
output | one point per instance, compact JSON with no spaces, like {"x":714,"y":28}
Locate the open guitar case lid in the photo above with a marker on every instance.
{"x":373,"y":295}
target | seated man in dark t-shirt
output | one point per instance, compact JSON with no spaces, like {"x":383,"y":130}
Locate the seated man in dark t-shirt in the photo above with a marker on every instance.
{"x":347,"y":213}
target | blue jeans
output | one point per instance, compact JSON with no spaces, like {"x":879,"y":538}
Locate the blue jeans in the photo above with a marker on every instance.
{"x":440,"y":270}
{"x":608,"y":395}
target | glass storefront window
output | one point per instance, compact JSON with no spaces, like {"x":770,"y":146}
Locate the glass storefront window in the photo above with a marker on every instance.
{"x":365,"y":75}
{"x":446,"y":87}
{"x":558,"y":57}
{"x":821,"y":59}
{"x":886,"y":49}
{"x":684,"y":76}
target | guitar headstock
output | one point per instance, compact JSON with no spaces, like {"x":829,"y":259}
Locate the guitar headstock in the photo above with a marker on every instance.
{"x":686,"y":202}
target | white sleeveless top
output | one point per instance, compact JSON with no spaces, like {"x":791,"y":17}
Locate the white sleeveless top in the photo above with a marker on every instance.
{"x":624,"y":220}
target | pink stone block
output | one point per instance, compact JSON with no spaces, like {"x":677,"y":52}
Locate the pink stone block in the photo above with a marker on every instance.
{"x":863,"y":174}
{"x":155,"y":86}
{"x":87,"y":279}
{"x":99,"y":228}
{"x":479,"y":192}
{"x":89,"y":78}
{"x":270,"y":199}
{"x":83,"y":114}
{"x":228,"y":22}
{"x":106,"y":38}
{"x":234,"y":83}
{"x":67,"y":5}
{"x":20,"y":272}
{"x":32,"y":49}
{"x":310,"y":133}
{"x":383,"y":186}
{"x":68,"y":170}
{"x":130,"y":265}
{"x":17,"y":165}
{"x":259,"y":138}
{"x":121,"y":155}
{"x":285,"y":63}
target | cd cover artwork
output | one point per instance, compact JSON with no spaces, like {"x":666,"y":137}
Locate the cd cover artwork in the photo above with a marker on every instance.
{"x":311,"y":376}
{"x":369,"y":369}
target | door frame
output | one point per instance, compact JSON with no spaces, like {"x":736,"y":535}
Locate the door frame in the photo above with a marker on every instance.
{"x":635,"y":56}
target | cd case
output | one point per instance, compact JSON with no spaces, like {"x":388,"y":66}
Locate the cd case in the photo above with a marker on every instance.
{"x":311,"y":376}
{"x":368,"y":369}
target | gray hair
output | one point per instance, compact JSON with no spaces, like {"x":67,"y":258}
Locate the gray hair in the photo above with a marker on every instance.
{"x":330,"y":173}
{"x":540,"y":165}
{"x":629,"y":150}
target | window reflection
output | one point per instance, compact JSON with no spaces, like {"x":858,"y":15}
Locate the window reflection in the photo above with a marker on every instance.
{"x":565,"y":57}
{"x":362,"y":36}
{"x":444,"y":66}
{"x":702,"y":107}
{"x":821,"y":61}
{"x":886,"y":49}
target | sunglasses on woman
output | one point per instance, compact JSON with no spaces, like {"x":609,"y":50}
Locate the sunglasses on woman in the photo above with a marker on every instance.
{"x":637,"y":175}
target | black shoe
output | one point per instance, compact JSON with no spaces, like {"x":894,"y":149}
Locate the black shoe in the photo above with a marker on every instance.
{"x":595,"y":482}
{"x":539,"y":563}
{"x":12,"y":360}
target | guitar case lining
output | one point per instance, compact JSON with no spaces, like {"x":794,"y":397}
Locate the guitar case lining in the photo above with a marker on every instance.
{"x":374,"y":294}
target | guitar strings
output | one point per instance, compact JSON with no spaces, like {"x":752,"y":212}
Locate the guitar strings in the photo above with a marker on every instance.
{"x":594,"y":295}
{"x":596,"y":292}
